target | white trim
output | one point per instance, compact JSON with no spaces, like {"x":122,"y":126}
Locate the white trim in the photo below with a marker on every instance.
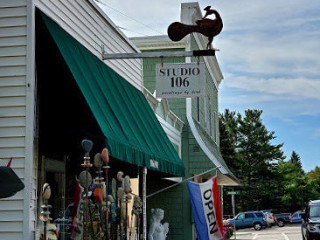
{"x":29,"y":139}
{"x":198,"y":138}
{"x":173,"y":134}
{"x":168,"y":113}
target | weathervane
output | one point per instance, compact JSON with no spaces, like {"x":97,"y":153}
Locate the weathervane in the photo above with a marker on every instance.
{"x":207,"y":27}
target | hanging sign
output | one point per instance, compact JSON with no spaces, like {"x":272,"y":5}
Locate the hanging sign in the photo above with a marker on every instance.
{"x":180,"y":80}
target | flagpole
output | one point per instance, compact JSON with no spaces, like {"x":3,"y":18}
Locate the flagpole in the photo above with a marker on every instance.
{"x":187,"y":179}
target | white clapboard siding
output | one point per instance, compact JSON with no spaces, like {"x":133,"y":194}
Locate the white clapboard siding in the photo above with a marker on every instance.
{"x":12,"y":122}
{"x":12,"y":101}
{"x":81,"y":20}
{"x":12,"y":205}
{"x":12,"y":81}
{"x":13,"y":12}
{"x":11,"y":215}
{"x":13,"y":45}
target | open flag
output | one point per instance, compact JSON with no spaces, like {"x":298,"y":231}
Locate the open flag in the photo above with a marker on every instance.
{"x":206,"y":209}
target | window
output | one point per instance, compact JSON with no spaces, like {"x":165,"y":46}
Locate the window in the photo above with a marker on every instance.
{"x":259,"y":214}
{"x":315,"y":211}
{"x":249,"y":215}
{"x":210,"y":120}
{"x":198,"y":109}
{"x":215,"y":126}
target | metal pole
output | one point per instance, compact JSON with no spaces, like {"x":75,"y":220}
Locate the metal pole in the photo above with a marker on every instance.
{"x":234,"y":213}
{"x":233,"y":205}
{"x":195,"y":53}
{"x":221,"y":201}
{"x":187,"y":179}
{"x":235,"y":234}
{"x":45,"y":230}
{"x":144,"y":203}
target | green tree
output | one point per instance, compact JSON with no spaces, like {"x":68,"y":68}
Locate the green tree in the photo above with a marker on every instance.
{"x":259,"y":158}
{"x":269,"y":182}
{"x":314,"y":174}
{"x":228,"y":139}
{"x":296,"y":188}
{"x":253,"y":157}
{"x":295,"y":159}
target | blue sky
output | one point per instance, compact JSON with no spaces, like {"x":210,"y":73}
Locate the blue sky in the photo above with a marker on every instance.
{"x":269,"y":56}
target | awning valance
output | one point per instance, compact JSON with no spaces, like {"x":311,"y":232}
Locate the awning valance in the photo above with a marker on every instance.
{"x":133,"y":133}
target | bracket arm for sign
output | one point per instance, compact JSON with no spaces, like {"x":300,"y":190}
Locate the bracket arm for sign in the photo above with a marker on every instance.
{"x":185,"y":180}
{"x":195,"y":53}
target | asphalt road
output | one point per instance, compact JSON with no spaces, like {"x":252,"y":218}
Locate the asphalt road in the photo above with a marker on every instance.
{"x":288,"y":232}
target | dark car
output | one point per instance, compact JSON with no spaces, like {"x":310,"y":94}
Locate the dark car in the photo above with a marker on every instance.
{"x":310,"y":226}
{"x":282,"y":218}
{"x":253,"y":219}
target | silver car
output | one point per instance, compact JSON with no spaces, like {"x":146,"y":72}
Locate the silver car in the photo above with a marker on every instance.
{"x":271,"y":221}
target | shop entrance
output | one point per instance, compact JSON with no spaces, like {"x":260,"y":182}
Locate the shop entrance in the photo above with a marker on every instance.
{"x":63,"y":120}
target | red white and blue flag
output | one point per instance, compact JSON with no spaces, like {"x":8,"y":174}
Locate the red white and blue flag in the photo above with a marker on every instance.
{"x":206,"y":209}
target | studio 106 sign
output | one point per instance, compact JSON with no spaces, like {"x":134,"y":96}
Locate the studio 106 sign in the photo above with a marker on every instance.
{"x":180,"y":80}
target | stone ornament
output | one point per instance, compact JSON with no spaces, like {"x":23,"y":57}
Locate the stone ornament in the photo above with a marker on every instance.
{"x":157,"y":230}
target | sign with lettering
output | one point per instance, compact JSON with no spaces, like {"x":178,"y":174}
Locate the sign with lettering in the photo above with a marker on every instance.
{"x":154,"y":163}
{"x":180,"y":80}
{"x":233,"y":192}
{"x":205,"y":203}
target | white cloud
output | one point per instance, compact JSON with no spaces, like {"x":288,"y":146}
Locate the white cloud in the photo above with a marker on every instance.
{"x":253,"y":54}
{"x":288,"y":88}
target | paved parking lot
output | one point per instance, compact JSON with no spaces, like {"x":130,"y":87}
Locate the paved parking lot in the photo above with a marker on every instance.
{"x":288,"y":232}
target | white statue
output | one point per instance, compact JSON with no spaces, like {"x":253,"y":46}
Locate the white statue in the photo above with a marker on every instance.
{"x":157,"y":230}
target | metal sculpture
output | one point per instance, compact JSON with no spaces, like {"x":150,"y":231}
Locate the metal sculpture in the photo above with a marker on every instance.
{"x":105,"y":159}
{"x":102,"y":211}
{"x":98,"y":194}
{"x":49,"y":230}
{"x":86,"y":146}
{"x":207,"y":27}
{"x":136,"y":211}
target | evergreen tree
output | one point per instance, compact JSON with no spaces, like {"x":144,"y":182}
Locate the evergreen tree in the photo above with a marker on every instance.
{"x":296,"y":188}
{"x":295,"y":159}
{"x":254,"y":157}
{"x":227,"y":131}
{"x":258,"y":156}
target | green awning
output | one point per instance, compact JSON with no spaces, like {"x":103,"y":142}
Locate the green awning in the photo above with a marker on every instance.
{"x":133,"y":133}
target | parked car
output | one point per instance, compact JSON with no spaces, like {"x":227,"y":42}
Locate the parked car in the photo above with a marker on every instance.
{"x":282,"y":218}
{"x":271,"y":220}
{"x":255,"y":219}
{"x":296,"y":217}
{"x":310,"y":227}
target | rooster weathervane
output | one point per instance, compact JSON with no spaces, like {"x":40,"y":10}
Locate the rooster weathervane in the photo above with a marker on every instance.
{"x":207,"y":27}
